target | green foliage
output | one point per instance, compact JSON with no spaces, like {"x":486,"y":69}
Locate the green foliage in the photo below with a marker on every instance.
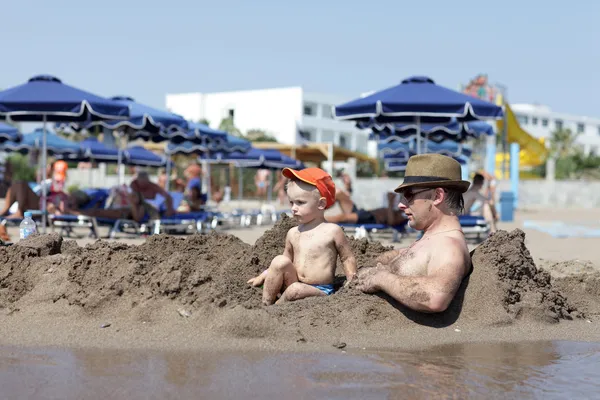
{"x":571,"y":162}
{"x":21,"y":170}
{"x":228,"y":126}
{"x":258,"y":135}
{"x":204,"y":121}
{"x":72,"y":188}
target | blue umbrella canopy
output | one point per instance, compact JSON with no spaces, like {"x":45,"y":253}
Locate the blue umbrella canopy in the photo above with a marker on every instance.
{"x":46,"y":98}
{"x":402,"y":151}
{"x":395,"y":165}
{"x":144,"y":122}
{"x":437,"y":133}
{"x":201,"y":135}
{"x":227,"y":144}
{"x":33,"y":140}
{"x":138,"y":155}
{"x":417,"y":97}
{"x":9,"y":132}
{"x":254,"y":158}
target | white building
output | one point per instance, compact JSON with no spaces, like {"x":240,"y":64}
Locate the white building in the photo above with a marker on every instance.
{"x":540,"y":121}
{"x":290,"y":114}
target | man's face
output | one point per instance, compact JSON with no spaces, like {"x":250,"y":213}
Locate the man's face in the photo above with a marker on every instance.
{"x":416,"y":203}
{"x":305,"y":203}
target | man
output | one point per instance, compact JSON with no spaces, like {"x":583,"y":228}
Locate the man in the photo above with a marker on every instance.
{"x":478,"y":204}
{"x":426,"y":276}
{"x":148,"y":189}
{"x":351,"y":214}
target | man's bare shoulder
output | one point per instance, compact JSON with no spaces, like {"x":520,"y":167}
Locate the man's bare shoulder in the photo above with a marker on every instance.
{"x":452,"y":249}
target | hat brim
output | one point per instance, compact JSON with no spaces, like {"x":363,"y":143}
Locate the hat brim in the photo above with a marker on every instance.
{"x":292,"y":173}
{"x":461,"y":186}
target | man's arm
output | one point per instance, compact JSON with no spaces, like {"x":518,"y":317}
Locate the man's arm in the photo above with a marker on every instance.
{"x":431,"y":293}
{"x":345,"y":253}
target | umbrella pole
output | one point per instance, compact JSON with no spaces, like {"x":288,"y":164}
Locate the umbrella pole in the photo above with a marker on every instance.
{"x":168,"y":169}
{"x":418,"y":120}
{"x":90,"y":177}
{"x":240,"y":183}
{"x":426,"y":143}
{"x":44,"y":175}
{"x":119,"y":159}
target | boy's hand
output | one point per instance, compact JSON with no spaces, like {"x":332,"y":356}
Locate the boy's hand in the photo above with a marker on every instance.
{"x":349,"y":280}
{"x":258,"y":280}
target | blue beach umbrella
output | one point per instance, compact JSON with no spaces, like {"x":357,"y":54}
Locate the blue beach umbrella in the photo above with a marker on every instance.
{"x":138,"y":155}
{"x":45,"y":98}
{"x":416,"y":100}
{"x":8,"y":133}
{"x":55,"y":144}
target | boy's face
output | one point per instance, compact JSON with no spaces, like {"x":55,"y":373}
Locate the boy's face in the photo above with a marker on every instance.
{"x":306,"y":202}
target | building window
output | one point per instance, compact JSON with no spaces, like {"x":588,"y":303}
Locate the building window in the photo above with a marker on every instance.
{"x":308,"y":134}
{"x":598,"y":129}
{"x":523,"y":119}
{"x":326,"y":111}
{"x":580,"y":128}
{"x":343,"y":141}
{"x":327,"y":136}
{"x":558,"y":124}
{"x":310,"y":109}
{"x":545,"y":122}
{"x":231,"y":113}
{"x":534,"y":121}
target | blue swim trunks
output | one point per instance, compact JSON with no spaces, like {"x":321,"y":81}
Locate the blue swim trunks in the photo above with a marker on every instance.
{"x":327,"y":289}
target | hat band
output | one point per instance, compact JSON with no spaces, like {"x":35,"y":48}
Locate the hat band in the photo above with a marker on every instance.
{"x":421,"y":179}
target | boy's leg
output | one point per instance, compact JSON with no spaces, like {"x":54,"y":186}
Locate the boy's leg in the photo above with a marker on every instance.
{"x":299,"y":290}
{"x":282,"y":274}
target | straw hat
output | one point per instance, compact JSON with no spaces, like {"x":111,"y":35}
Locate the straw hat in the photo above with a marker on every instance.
{"x":433,"y":171}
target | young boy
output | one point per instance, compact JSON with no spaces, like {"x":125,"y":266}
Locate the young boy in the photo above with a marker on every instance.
{"x":307,"y":266}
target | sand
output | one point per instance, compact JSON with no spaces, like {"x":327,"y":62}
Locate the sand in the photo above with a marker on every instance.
{"x":191,"y":292}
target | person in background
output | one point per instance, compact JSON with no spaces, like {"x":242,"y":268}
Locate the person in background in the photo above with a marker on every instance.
{"x":279,"y":188}
{"x":347,"y":182}
{"x":478,"y":204}
{"x":59,"y":176}
{"x":148,"y":190}
{"x":5,"y":175}
{"x":262,"y":179}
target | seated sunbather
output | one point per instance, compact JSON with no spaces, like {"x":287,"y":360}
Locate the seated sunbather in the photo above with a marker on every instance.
{"x":148,"y":189}
{"x":27,"y":199}
{"x":478,"y":204}
{"x":390,"y":215}
{"x":137,"y":210}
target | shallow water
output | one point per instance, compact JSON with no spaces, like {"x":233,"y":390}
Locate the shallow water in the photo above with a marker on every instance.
{"x":518,"y":370}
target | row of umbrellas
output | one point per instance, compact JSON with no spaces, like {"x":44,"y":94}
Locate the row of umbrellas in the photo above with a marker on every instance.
{"x":47,"y":99}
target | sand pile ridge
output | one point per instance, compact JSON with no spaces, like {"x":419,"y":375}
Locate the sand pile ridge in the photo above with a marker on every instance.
{"x":207,"y":275}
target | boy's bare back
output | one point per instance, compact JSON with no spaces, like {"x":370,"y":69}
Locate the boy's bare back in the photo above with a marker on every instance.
{"x":314,"y":252}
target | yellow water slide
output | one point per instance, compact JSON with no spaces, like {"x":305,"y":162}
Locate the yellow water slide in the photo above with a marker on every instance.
{"x":533,"y":151}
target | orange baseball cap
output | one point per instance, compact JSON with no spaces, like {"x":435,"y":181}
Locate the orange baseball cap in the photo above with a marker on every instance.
{"x":60,"y":169}
{"x":316,"y":177}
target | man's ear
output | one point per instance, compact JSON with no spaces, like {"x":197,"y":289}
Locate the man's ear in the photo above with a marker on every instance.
{"x":439,"y":196}
{"x":322,"y":203}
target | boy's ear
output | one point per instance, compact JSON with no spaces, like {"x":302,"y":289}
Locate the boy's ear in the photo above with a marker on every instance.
{"x":322,"y":205}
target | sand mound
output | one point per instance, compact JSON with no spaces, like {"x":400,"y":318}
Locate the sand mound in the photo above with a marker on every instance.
{"x":205,"y":275}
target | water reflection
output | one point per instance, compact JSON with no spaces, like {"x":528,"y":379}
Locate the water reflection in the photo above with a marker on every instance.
{"x":503,"y":370}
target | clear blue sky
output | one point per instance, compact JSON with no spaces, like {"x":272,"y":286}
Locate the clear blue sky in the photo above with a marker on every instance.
{"x":543,"y":51}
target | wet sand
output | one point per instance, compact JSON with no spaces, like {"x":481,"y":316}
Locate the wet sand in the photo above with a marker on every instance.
{"x":542,"y":369}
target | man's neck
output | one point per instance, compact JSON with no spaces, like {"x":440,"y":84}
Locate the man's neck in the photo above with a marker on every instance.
{"x":444,"y":223}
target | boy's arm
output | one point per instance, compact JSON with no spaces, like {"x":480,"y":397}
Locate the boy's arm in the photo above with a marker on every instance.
{"x":288,"y":251}
{"x":345,"y":253}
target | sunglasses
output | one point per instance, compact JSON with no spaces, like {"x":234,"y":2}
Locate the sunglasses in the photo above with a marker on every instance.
{"x":409,"y":195}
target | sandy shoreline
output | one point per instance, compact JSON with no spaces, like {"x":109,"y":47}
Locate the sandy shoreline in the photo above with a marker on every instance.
{"x":63,"y":299}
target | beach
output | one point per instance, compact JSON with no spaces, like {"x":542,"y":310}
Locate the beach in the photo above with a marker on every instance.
{"x":190,"y":293}
{"x":173,"y":317}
